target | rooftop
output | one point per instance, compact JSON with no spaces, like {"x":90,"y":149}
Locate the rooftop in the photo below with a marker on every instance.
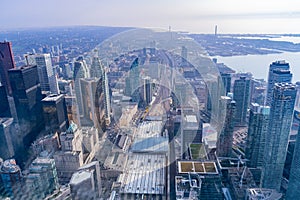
{"x":197,"y":167}
{"x":53,"y":97}
{"x":152,"y":144}
{"x":80,"y":176}
{"x":144,"y":174}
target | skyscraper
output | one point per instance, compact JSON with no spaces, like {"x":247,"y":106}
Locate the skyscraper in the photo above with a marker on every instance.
{"x":27,"y":97}
{"x":4,"y":108}
{"x":80,"y":71}
{"x":241,"y":95}
{"x":225,"y":139}
{"x":257,"y":132}
{"x":55,"y":113}
{"x":6,"y":63}
{"x":226,"y":78}
{"x":88,"y":91}
{"x":46,"y":72}
{"x":147,"y":90}
{"x":282,"y":108}
{"x":293,"y":191}
{"x":134,"y":75}
{"x":277,"y":65}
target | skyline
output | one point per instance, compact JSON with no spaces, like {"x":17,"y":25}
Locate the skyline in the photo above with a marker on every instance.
{"x":192,"y":16}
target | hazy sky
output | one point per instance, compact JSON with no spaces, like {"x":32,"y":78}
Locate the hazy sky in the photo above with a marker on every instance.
{"x":231,"y":16}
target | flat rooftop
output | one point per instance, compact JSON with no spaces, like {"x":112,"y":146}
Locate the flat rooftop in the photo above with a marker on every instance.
{"x":197,"y":167}
{"x":149,"y":129}
{"x":80,"y":176}
{"x":53,"y":97}
{"x":151,"y":145}
{"x":144,"y":174}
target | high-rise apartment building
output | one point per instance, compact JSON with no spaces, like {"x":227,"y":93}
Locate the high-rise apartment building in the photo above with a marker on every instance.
{"x":257,"y":133}
{"x":241,"y":95}
{"x":277,"y":65}
{"x":282,"y":108}
{"x":6,"y":63}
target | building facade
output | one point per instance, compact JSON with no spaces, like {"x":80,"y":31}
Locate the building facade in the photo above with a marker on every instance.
{"x":281,"y":65}
{"x":257,"y":133}
{"x":241,"y":95}
{"x":282,"y":108}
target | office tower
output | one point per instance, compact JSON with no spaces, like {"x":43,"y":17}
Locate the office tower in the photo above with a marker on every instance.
{"x":80,"y":71}
{"x":147,"y":90}
{"x":282,"y":108}
{"x":134,"y":75}
{"x":4,"y":108}
{"x":225,"y":138}
{"x":297,"y":102}
{"x":96,"y":69}
{"x":27,"y":98}
{"x":257,"y":133}
{"x":88,"y":88}
{"x":277,"y":65}
{"x":7,"y":141}
{"x":6,"y":63}
{"x":86,"y":182}
{"x":241,"y":95}
{"x":191,"y":132}
{"x":55,"y":113}
{"x":42,"y":178}
{"x":46,"y":72}
{"x":11,"y":177}
{"x":226,"y":78}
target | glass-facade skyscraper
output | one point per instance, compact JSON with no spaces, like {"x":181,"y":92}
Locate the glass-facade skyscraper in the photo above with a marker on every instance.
{"x":257,"y":132}
{"x":6,"y":63}
{"x":293,"y":191}
{"x":241,"y":95}
{"x":282,"y":108}
{"x":277,"y":76}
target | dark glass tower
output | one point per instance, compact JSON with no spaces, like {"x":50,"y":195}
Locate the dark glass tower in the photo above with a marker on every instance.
{"x":282,"y":108}
{"x":241,"y":95}
{"x":4,"y":108}
{"x":27,"y":97}
{"x":6,"y":63}
{"x":55,"y":113}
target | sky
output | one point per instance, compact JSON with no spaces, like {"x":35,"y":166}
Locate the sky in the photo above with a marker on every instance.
{"x":196,"y":16}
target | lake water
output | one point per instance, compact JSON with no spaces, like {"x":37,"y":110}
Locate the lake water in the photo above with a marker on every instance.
{"x":258,"y":65}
